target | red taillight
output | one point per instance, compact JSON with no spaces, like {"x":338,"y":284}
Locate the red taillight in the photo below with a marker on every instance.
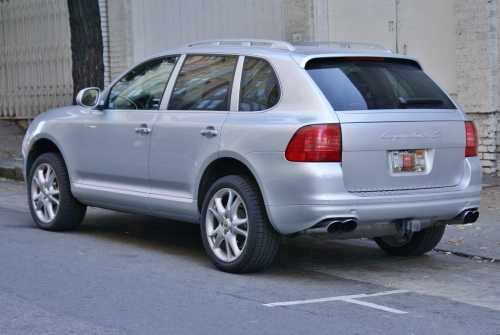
{"x":470,"y":139}
{"x":316,"y":143}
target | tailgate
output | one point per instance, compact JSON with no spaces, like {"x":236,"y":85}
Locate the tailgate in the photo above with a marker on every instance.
{"x":380,"y":156}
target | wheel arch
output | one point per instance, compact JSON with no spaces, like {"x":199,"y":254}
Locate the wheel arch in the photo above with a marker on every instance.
{"x":40,"y":147}
{"x":221,"y":167}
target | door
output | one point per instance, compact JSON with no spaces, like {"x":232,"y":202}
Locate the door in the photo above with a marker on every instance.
{"x":186,"y":135}
{"x":115,"y":141}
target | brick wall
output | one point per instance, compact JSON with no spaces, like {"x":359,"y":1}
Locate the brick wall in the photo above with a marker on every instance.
{"x":477,"y":67}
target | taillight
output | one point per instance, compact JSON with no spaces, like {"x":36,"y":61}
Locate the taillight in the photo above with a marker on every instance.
{"x":316,"y":143}
{"x":470,"y":139}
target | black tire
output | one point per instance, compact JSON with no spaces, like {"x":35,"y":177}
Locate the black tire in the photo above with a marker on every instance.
{"x":417,"y":243}
{"x":223,"y":233}
{"x":51,"y":203}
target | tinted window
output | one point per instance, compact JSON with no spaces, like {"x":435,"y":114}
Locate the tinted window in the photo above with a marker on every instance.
{"x":142,"y":87}
{"x":259,"y":86}
{"x":362,"y":84}
{"x":203,"y":83}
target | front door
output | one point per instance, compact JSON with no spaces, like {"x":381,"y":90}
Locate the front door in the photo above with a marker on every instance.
{"x":115,"y":141}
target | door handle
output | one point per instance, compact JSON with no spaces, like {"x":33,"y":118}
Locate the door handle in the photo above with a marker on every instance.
{"x":208,"y":132}
{"x":142,"y":130}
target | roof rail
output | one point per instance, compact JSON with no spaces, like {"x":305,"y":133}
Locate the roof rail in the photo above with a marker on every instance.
{"x":281,"y":45}
{"x":348,"y":45}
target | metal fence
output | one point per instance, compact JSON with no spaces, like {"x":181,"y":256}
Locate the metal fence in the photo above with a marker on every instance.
{"x":35,"y":57}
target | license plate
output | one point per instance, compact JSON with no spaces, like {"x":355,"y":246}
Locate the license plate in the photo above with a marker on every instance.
{"x":408,"y":160}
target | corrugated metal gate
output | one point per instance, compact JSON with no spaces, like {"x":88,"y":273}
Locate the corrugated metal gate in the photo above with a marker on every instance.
{"x":35,"y":57}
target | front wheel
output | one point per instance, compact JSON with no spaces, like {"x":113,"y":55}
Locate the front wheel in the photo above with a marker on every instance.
{"x":51,"y":203}
{"x":417,"y":243}
{"x":235,"y":230}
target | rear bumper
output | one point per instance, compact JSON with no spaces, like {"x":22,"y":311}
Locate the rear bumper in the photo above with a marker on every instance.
{"x":299,"y":198}
{"x":295,"y":218}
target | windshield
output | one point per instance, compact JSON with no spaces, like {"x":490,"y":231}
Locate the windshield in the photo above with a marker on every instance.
{"x":361,"y":83}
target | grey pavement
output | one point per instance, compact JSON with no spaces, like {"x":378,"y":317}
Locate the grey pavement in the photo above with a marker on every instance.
{"x":479,"y":240}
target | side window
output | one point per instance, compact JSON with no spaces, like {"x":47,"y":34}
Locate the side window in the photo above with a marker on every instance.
{"x":259,"y":86}
{"x":203,"y":83}
{"x":143,"y":86}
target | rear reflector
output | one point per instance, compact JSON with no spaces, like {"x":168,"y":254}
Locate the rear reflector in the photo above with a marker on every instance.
{"x":316,"y":143}
{"x":471,"y":140}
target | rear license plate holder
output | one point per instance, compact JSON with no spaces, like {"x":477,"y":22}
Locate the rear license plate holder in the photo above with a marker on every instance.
{"x":408,"y":160}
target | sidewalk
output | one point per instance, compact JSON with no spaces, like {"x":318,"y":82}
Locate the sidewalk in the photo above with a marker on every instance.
{"x":480,"y":239}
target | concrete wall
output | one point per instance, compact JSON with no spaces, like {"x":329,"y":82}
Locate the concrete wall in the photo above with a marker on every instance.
{"x":138,"y":28}
{"x":424,"y":29}
{"x":298,"y":19}
{"x":477,"y":66}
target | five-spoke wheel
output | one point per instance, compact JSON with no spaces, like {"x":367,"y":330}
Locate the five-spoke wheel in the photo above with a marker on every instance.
{"x":52,"y":205}
{"x":227,"y":224}
{"x":45,"y":193}
{"x":236,"y":232}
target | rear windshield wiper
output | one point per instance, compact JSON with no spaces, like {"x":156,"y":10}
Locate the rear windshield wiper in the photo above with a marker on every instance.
{"x":404,"y":102}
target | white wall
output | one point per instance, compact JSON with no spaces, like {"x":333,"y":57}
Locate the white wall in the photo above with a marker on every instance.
{"x":163,"y":24}
{"x":362,"y":21}
{"x":425,"y":27}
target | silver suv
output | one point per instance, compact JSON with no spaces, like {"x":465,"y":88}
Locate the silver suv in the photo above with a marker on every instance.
{"x":254,"y":139}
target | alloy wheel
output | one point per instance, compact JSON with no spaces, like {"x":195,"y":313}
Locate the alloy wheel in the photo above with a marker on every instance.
{"x":45,"y":193}
{"x":227,"y":224}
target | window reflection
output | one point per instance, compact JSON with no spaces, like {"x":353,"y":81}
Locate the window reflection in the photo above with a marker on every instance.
{"x":203,"y":83}
{"x":259,"y":86}
{"x":142,"y":87}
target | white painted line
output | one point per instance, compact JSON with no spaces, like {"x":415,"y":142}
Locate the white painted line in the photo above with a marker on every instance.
{"x":369,"y":304}
{"x":346,"y":298}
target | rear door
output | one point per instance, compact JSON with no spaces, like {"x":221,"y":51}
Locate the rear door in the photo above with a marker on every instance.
{"x":400,"y":131}
{"x":186,"y":135}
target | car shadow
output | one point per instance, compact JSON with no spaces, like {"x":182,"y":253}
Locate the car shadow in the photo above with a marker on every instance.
{"x":295,"y":254}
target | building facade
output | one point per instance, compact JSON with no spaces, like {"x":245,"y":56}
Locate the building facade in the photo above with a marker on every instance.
{"x":455,"y":40}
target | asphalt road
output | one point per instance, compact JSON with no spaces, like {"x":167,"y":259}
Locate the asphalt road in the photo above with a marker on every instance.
{"x":132,"y":274}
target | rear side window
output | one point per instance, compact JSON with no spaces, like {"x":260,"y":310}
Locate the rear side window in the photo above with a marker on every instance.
{"x":203,"y":83}
{"x":259,"y":86}
{"x":363,"y":83}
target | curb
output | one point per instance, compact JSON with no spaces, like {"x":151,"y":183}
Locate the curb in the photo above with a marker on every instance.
{"x":11,"y":168}
{"x":11,"y":172}
{"x":465,"y":255}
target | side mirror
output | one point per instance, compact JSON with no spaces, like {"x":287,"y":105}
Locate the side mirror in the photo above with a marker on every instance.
{"x":89,"y":97}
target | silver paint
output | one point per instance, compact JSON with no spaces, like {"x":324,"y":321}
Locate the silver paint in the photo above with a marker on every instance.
{"x":159,"y":172}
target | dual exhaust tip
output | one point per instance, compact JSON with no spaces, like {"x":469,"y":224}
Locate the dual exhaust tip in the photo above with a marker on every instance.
{"x":345,"y":226}
{"x":469,"y":216}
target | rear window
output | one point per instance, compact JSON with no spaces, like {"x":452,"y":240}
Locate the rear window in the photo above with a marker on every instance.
{"x":376,"y":83}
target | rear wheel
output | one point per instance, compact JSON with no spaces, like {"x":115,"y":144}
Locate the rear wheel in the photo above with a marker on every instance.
{"x":414,"y":244}
{"x":51,"y":203}
{"x":236,"y":232}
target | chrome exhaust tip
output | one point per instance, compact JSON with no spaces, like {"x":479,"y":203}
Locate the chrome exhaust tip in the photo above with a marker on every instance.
{"x":345,"y":226}
{"x":471,"y":217}
{"x":334,"y":227}
{"x":467,"y":216}
{"x":348,"y":226}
